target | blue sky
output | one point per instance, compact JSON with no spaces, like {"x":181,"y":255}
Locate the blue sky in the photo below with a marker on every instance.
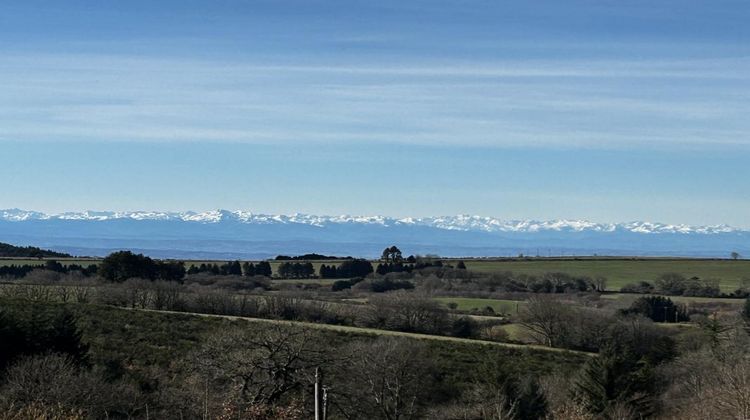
{"x":604,"y":110}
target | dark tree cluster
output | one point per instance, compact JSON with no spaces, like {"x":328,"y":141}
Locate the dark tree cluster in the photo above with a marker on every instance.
{"x":385,"y":268}
{"x":552,"y":282}
{"x":411,"y":264}
{"x":310,"y":257}
{"x":122,"y":265}
{"x":226,"y":269}
{"x":36,"y":331}
{"x":8,"y":250}
{"x":19,"y":271}
{"x":233,"y":268}
{"x":262,"y":268}
{"x":658,"y":309}
{"x":677,"y":284}
{"x":623,"y":376}
{"x":296,"y":270}
{"x":345,"y":270}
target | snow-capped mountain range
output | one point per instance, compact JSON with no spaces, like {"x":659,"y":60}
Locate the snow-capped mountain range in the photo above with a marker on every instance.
{"x":223,"y":234}
{"x":459,"y":222}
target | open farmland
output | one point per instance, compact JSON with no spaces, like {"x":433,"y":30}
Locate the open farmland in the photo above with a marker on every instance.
{"x":499,"y":306}
{"x":620,"y":272}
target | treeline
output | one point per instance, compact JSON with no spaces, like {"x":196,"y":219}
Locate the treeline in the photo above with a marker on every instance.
{"x":12,"y":251}
{"x":675,"y":284}
{"x":122,"y":265}
{"x":234,"y":268}
{"x":20,"y":271}
{"x":347,"y":269}
{"x":414,"y":264}
{"x":462,"y":280}
{"x":296,"y":270}
{"x":310,"y":257}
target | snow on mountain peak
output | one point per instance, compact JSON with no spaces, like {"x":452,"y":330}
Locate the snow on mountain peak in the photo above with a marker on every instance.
{"x":461,"y":222}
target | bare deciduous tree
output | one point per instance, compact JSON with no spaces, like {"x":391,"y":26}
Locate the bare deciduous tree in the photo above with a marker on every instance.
{"x":547,"y":320}
{"x":260,"y":366}
{"x":389,"y":377}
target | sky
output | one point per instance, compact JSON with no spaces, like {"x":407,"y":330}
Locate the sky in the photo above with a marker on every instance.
{"x":601,"y":110}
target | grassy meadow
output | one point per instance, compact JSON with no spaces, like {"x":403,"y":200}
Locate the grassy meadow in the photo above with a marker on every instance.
{"x":620,"y":272}
{"x":500,"y":306}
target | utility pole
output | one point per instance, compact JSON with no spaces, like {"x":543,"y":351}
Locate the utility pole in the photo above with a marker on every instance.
{"x":321,"y":396}
{"x":317,"y":394}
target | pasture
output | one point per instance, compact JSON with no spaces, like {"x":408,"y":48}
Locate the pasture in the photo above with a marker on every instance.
{"x":620,"y":272}
{"x":499,"y":306}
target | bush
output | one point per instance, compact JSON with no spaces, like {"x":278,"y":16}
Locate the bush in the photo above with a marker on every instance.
{"x":658,"y":309}
{"x":643,"y":287}
{"x":340,"y":285}
{"x":464,"y":327}
{"x":384,"y":284}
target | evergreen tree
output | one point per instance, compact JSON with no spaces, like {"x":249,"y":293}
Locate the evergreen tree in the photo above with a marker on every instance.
{"x":248,"y":269}
{"x":382,"y":269}
{"x":234,"y":268}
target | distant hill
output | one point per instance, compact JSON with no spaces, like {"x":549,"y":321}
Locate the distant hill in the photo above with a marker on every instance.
{"x":8,"y":250}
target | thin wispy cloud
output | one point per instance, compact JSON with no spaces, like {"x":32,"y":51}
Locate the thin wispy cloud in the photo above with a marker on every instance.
{"x":562,"y":103}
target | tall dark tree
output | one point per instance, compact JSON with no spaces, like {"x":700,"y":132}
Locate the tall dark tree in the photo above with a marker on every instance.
{"x":235,"y":268}
{"x":263,"y":268}
{"x":392,"y":255}
{"x":248,"y":269}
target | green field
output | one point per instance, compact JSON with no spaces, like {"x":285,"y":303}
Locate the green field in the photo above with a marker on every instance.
{"x":500,"y":306}
{"x":620,"y":272}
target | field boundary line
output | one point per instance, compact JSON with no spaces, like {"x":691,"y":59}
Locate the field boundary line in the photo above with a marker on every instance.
{"x":368,"y":331}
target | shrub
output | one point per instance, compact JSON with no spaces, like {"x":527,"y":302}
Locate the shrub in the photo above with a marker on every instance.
{"x":643,"y":287}
{"x":658,"y":309}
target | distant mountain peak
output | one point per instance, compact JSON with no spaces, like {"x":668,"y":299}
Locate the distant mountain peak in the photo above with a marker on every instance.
{"x":462,"y":222}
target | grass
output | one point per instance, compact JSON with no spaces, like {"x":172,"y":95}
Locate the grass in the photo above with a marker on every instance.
{"x":322,"y":282}
{"x":620,"y":272}
{"x":500,"y":306}
{"x":515,"y":332}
